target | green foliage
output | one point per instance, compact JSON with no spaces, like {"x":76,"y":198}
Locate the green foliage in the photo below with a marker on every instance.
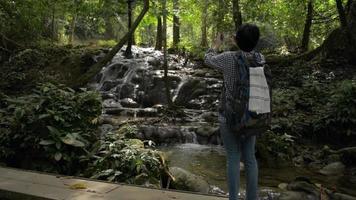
{"x":57,"y":128}
{"x":274,"y":145}
{"x":321,"y":109}
{"x":340,"y":113}
{"x":53,"y":123}
{"x":128,"y":130}
{"x":107,"y":43}
{"x":125,"y":160}
{"x":22,"y":70}
{"x":45,"y":63}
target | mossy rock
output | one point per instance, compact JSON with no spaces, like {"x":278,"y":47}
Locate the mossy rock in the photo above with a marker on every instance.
{"x":207,"y":131}
{"x":185,"y":180}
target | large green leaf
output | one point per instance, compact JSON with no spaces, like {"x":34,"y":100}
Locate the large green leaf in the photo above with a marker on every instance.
{"x":53,"y":130}
{"x":69,"y":139}
{"x":58,"y":156}
{"x":46,"y":142}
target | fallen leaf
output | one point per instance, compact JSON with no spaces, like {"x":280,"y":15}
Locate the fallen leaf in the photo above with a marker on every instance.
{"x":78,"y":186}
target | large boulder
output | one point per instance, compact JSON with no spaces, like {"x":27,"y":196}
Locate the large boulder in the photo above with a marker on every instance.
{"x":155,"y":62}
{"x":129,"y":103}
{"x":110,"y":84}
{"x":292,"y":195}
{"x":155,"y":90}
{"x":336,"y":168}
{"x":192,"y":89}
{"x":207,"y":134}
{"x":126,"y":91}
{"x":185,"y":180}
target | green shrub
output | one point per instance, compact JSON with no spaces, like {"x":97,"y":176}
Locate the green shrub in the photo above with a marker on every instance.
{"x":52,"y":124}
{"x":274,"y":149}
{"x":323,"y":111}
{"x":339,"y":116}
{"x":125,"y":160}
{"x":128,"y":131}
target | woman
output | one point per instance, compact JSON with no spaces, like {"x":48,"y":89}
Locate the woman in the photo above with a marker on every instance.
{"x":237,"y":144}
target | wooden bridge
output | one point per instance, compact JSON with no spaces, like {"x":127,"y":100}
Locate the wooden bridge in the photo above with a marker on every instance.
{"x":27,"y":185}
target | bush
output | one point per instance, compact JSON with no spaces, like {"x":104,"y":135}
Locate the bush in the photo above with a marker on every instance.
{"x":126,"y":160}
{"x":338,"y":119}
{"x":323,"y":111}
{"x":53,"y":124}
{"x":274,"y":149}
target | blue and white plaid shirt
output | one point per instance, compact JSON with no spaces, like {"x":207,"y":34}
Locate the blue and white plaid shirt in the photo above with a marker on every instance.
{"x":227,"y":63}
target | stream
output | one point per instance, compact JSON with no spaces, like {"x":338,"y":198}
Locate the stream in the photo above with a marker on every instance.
{"x":209,"y":161}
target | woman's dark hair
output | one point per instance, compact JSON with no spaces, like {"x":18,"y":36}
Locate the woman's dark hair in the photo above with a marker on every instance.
{"x":247,"y":37}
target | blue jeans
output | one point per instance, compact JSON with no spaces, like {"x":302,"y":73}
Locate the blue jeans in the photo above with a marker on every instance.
{"x":235,"y":148}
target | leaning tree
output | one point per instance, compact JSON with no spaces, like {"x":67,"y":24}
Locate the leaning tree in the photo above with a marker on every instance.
{"x":341,"y":43}
{"x":108,"y":57}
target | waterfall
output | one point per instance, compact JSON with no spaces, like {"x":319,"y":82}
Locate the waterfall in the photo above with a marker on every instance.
{"x":176,"y":93}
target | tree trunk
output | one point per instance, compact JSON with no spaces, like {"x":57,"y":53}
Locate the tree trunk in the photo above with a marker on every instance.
{"x":236,"y":12}
{"x":341,"y":42}
{"x":204,"y":24}
{"x":176,"y":24}
{"x":352,"y":18}
{"x":348,"y":6}
{"x":159,"y":34}
{"x":348,"y":26}
{"x":72,"y":29}
{"x":108,"y":57}
{"x":307,"y":28}
{"x":165,"y":53}
{"x":128,"y":52}
{"x":342,"y":14}
{"x":220,"y":16}
{"x":53,"y":23}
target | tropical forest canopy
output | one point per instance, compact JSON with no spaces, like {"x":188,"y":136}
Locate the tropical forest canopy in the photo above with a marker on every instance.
{"x":196,"y":22}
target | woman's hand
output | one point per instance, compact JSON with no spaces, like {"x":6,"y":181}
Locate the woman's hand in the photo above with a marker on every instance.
{"x":218,"y":41}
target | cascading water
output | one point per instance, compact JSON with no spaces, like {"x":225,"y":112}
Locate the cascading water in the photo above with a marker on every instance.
{"x":133,"y":88}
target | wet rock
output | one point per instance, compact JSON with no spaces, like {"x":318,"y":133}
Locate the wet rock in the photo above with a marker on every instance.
{"x":155,"y":62}
{"x":210,"y":116}
{"x":185,"y":180}
{"x":339,"y":196}
{"x":190,"y":90}
{"x":110,"y":103}
{"x":108,"y":85}
{"x":348,"y":156}
{"x":126,"y":91}
{"x":336,"y":168}
{"x":166,"y":135}
{"x":132,"y":112}
{"x":117,"y":71}
{"x":283,"y":186}
{"x":207,"y":131}
{"x":292,"y":195}
{"x":129,"y":103}
{"x":147,"y":112}
{"x":304,"y":186}
{"x":107,"y":95}
{"x":155,"y":93}
{"x":216,"y":190}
